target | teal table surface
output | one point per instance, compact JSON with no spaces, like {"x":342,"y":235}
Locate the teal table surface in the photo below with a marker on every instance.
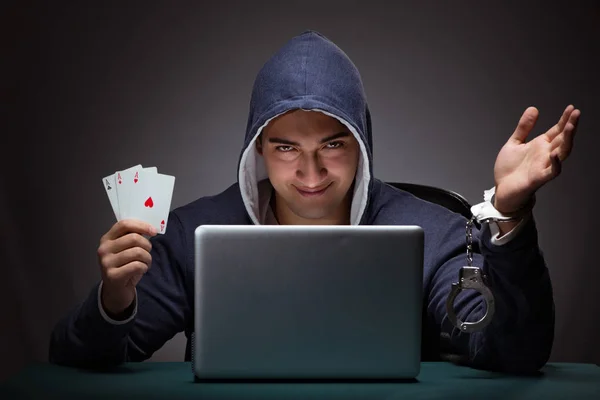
{"x":173,"y":380}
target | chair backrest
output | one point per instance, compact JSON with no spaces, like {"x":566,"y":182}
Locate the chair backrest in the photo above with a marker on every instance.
{"x":444,"y":197}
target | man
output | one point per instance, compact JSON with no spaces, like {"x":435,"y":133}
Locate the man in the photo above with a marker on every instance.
{"x":307,"y":159}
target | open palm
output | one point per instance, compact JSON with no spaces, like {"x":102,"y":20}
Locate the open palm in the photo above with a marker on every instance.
{"x":522,"y":167}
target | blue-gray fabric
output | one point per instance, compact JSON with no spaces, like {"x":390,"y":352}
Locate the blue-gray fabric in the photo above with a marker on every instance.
{"x":311,"y":72}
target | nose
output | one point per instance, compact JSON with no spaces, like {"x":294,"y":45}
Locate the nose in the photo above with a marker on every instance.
{"x":311,"y":171}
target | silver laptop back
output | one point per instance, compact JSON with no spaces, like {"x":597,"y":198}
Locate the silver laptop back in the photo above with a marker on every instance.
{"x":307,"y":302}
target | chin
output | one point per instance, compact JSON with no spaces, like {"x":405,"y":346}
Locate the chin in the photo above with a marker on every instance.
{"x":316,"y":208}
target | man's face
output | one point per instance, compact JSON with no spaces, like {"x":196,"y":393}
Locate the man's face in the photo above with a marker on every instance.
{"x":311,"y":160}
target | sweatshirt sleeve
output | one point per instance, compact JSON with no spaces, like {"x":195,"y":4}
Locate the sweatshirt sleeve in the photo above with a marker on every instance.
{"x":87,"y":338}
{"x":520,"y":336}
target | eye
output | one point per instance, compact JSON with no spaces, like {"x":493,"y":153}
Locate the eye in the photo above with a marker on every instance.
{"x":284,"y":149}
{"x":335,"y":145}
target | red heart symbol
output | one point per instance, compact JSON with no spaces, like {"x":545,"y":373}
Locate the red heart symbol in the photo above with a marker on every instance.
{"x":135,"y":180}
{"x":149,"y":203}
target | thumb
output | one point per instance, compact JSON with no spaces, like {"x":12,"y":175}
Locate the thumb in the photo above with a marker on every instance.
{"x":525,"y":125}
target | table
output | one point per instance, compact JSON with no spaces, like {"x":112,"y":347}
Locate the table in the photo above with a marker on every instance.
{"x":174,"y":380}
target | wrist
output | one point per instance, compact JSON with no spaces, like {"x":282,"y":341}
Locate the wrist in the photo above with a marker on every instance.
{"x":117,"y":310}
{"x":515,"y":214}
{"x":491,"y":211}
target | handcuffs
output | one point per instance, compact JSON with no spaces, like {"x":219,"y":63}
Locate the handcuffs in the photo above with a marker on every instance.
{"x":470,"y":277}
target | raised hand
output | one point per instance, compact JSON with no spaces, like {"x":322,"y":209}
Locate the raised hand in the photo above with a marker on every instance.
{"x":523,"y":167}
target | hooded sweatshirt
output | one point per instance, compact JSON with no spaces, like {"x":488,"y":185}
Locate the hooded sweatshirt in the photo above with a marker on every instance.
{"x":310,"y":72}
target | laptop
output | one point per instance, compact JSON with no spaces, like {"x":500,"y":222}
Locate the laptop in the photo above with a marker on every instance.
{"x":307,"y":302}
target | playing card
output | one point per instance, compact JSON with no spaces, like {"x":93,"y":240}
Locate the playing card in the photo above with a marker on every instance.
{"x":119,"y":183}
{"x":111,"y":192}
{"x":126,"y":181}
{"x":150,"y":199}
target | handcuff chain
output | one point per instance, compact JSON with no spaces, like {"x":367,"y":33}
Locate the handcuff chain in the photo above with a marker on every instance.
{"x":469,"y":237}
{"x":470,"y":277}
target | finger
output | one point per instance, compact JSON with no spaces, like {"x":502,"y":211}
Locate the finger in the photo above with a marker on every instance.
{"x":125,"y":257}
{"x":562,"y":145}
{"x":556,"y":145}
{"x":125,"y":226}
{"x":126,"y":271}
{"x":134,"y":254}
{"x":562,"y":123}
{"x":525,"y":125}
{"x":555,"y":166}
{"x":564,"y":148}
{"x":129,"y":241}
{"x":574,"y":119}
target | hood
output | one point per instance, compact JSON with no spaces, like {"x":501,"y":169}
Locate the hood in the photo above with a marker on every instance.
{"x":309,"y":72}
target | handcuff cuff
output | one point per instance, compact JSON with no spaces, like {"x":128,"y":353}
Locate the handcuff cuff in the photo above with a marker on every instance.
{"x":470,"y":277}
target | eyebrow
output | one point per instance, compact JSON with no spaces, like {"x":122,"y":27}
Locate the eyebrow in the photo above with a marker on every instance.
{"x":324,"y":140}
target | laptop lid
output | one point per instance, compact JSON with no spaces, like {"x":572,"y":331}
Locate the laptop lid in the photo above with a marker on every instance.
{"x":304,"y":302}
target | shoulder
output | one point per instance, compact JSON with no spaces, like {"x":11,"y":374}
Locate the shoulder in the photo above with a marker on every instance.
{"x":444,"y":229}
{"x":391,"y":205}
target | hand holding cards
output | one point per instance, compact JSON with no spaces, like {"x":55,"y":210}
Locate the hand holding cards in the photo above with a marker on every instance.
{"x":141,"y":193}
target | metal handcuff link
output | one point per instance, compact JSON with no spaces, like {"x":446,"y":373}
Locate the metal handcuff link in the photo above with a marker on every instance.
{"x":470,"y":277}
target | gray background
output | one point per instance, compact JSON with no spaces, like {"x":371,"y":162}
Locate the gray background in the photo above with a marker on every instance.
{"x":89,"y":90}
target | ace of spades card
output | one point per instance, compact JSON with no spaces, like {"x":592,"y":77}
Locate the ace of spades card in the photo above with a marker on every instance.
{"x":111,"y":192}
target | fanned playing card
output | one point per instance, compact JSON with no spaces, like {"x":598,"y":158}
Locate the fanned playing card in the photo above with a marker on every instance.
{"x":150,"y":199}
{"x":126,"y":181}
{"x":111,"y":192}
{"x":118,"y":181}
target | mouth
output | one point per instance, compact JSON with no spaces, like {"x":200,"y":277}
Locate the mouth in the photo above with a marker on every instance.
{"x":312,"y":192}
